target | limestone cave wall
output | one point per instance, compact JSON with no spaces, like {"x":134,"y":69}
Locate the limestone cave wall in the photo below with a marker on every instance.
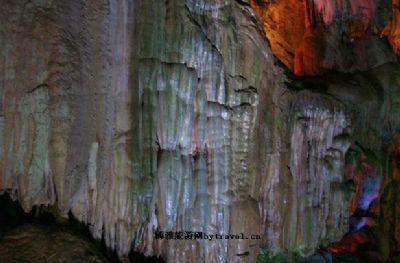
{"x":139,"y":116}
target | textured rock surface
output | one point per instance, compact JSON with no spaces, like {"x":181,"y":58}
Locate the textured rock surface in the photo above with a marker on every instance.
{"x":319,"y":141}
{"x":392,"y":29}
{"x":284,"y":25}
{"x":312,"y":36}
{"x":138,"y":116}
{"x":391,"y":197}
{"x":372,"y":100}
{"x":32,"y":243}
{"x":305,"y":199}
{"x":145,"y":115}
{"x":65,"y":105}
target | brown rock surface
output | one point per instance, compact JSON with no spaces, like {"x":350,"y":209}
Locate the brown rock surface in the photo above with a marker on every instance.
{"x":37,"y":244}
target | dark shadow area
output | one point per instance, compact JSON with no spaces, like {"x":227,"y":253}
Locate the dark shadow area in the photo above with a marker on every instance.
{"x":13,"y":217}
{"x":140,"y":258}
{"x":11,"y":214}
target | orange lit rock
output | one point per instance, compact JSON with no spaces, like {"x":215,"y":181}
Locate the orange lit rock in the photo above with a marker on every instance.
{"x":290,"y":28}
{"x":309,"y":54}
{"x":392,"y":30}
{"x":349,"y":40}
{"x":356,"y":28}
{"x":349,"y":243}
{"x":284,"y":25}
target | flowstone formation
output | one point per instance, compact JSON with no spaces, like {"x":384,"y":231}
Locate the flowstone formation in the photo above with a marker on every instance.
{"x":137,"y":116}
{"x":348,"y":51}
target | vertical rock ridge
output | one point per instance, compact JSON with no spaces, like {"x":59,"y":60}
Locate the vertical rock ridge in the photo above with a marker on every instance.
{"x":137,"y":116}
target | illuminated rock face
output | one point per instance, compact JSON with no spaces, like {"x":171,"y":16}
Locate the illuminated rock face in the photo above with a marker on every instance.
{"x":66,"y":107}
{"x":392,"y":29}
{"x":137,"y":116}
{"x":372,"y":99}
{"x":140,"y":115}
{"x":320,"y":138}
{"x":304,"y":204}
{"x":284,"y":25}
{"x":339,"y":35}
